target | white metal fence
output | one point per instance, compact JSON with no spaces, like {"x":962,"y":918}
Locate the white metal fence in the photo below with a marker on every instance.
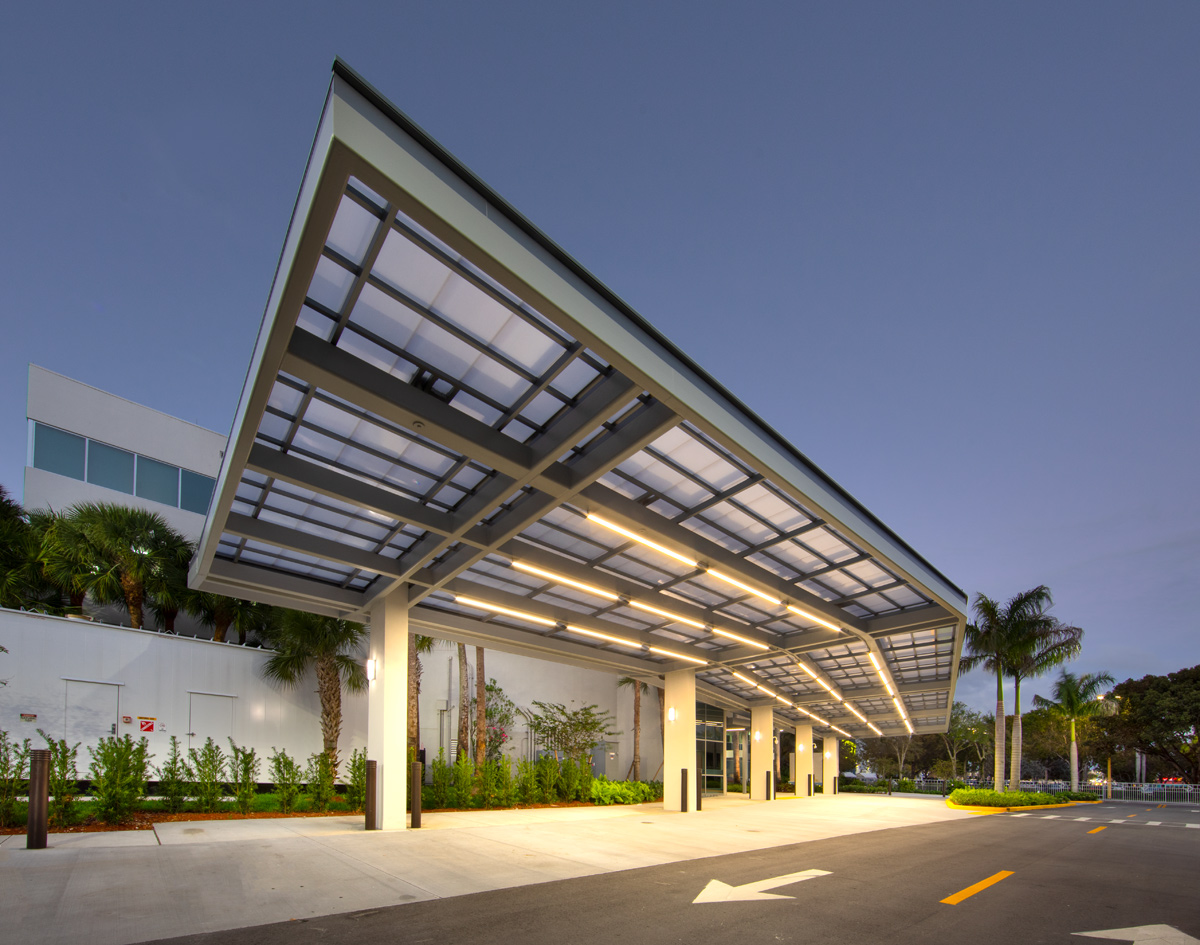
{"x":1164,"y":793}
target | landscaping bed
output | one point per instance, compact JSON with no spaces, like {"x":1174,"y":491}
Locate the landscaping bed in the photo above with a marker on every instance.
{"x":1015,"y":800}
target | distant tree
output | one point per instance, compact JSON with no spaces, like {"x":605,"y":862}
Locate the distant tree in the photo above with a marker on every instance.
{"x":571,"y":733}
{"x":500,"y":713}
{"x":1077,"y":698}
{"x":418,"y":645}
{"x":333,"y":649}
{"x":464,"y":702}
{"x":959,"y":733}
{"x":480,"y":711}
{"x":223,"y":613}
{"x":1160,"y":715}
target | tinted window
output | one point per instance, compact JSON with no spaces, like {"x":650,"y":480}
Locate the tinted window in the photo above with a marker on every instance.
{"x":157,"y":481}
{"x":110,"y":467}
{"x":195,"y":491}
{"x":58,"y":452}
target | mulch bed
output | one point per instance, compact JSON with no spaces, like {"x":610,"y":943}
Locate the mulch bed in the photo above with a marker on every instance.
{"x":145,"y":820}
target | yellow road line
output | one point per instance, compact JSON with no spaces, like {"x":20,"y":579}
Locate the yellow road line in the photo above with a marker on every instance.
{"x":978,"y":887}
{"x":1127,"y":816}
{"x":1097,"y":830}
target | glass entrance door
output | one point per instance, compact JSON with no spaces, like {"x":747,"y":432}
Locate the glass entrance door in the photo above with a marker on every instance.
{"x":710,"y":748}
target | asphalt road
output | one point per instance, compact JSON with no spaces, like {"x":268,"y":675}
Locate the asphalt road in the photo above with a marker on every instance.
{"x":1079,"y":869}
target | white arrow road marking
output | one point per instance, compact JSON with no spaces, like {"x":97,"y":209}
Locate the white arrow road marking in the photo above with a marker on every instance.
{"x":1148,"y":934}
{"x":717,"y":891}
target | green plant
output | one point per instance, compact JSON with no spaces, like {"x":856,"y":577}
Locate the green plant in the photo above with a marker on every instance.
{"x":906,"y":786}
{"x":462,"y":776}
{"x":489,"y":782}
{"x":119,"y":769}
{"x":319,"y":775}
{"x":173,"y":779}
{"x":286,"y":775}
{"x":63,"y":779}
{"x":14,"y":769}
{"x":356,"y":786}
{"x":568,"y":780}
{"x":982,"y":797}
{"x":208,"y":774}
{"x":604,"y":792}
{"x":570,"y":733}
{"x":441,"y":778}
{"x":526,"y":788}
{"x":499,"y":712}
{"x":243,"y":775}
{"x":547,"y":779}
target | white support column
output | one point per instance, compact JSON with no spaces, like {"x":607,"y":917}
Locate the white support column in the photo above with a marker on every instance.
{"x":830,"y":762}
{"x":387,"y":707}
{"x":762,"y":752}
{"x":804,"y":760}
{"x":679,"y":740}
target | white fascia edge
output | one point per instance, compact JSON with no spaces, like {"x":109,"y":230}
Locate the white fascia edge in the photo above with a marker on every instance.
{"x":381,"y":143}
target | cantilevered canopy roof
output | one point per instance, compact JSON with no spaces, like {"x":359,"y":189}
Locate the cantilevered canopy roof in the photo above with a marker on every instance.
{"x":440,"y":397}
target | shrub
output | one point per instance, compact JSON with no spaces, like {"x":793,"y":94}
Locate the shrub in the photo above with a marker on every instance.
{"x":14,"y":770}
{"x":859,"y":787}
{"x":506,"y":784}
{"x":906,"y":786}
{"x":605,"y":792}
{"x":243,"y":775}
{"x":356,"y":784}
{"x":526,"y":783}
{"x":462,"y":778}
{"x":981,"y":797}
{"x":173,"y":779}
{"x":489,"y":782}
{"x":584,"y":790}
{"x":568,"y":780}
{"x":208,"y":775}
{"x":319,"y":774}
{"x":1078,"y":796}
{"x":286,"y":775}
{"x":441,"y":778}
{"x":63,"y":779}
{"x":547,"y":775}
{"x":119,"y":769}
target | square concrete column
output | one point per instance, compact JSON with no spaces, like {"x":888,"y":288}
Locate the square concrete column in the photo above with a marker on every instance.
{"x":387,"y":707}
{"x":679,"y":740}
{"x":830,"y":763}
{"x":804,"y":761}
{"x":762,"y":753}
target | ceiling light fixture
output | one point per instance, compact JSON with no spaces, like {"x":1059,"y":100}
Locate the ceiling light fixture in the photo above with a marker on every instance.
{"x":620,"y":641}
{"x":813,"y":617}
{"x":740,"y":639}
{"x":633,"y":536}
{"x":874,"y":729}
{"x":746,"y":679}
{"x":666,"y":613}
{"x":678,"y":656}
{"x":745,"y":587}
{"x":484,"y":605}
{"x":560,"y":579}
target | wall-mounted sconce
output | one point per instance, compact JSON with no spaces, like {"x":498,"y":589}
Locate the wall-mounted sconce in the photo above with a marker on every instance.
{"x":758,"y":736}
{"x":371,"y":670}
{"x":828,"y":754}
{"x":799,"y":746}
{"x":671,"y":714}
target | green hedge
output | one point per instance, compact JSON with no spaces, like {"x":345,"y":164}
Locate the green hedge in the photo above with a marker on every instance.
{"x":605,"y":792}
{"x":979,"y":797}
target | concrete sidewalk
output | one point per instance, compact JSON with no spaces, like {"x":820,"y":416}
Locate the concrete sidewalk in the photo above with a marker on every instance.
{"x":181,"y":878}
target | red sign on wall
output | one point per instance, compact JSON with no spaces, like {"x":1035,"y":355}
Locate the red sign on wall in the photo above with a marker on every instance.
{"x":146,"y":724}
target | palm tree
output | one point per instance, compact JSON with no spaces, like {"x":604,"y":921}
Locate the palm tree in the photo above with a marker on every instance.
{"x":1076,"y":698}
{"x":1039,"y":643}
{"x":332,"y":647}
{"x":464,"y":715}
{"x":22,"y":580}
{"x":639,"y":687}
{"x":480,"y":711}
{"x":65,"y":557}
{"x":221,"y":613}
{"x":132,"y":550}
{"x":417,"y":645}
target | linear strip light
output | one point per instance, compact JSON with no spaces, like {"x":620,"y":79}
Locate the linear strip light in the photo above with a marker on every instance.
{"x":840,"y":731}
{"x":899,"y":708}
{"x":678,"y":656}
{"x":783,"y":700}
{"x":746,"y":679}
{"x":558,"y":578}
{"x":633,"y":536}
{"x":764,"y":689}
{"x":484,"y":605}
{"x":817,"y":718}
{"x":745,"y":587}
{"x":874,"y":729}
{"x":908,"y":726}
{"x":855,"y":711}
{"x":666,"y":613}
{"x":813,"y":617}
{"x":828,"y":688}
{"x":740,"y":639}
{"x":882,"y":678}
{"x":620,"y":641}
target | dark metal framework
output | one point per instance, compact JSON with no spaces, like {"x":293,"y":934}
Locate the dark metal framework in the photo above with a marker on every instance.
{"x":441,"y":398}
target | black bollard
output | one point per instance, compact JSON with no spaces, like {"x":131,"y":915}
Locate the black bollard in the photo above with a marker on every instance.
{"x":416,"y":794}
{"x":683,"y":791}
{"x":39,"y":799}
{"x":810,"y":785}
{"x":699,"y":791}
{"x":372,"y":805}
{"x":770,"y":795}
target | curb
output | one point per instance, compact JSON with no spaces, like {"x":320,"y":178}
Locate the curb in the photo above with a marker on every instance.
{"x":1009,"y":810}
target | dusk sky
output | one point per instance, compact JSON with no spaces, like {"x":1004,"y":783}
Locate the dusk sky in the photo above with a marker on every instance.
{"x":950,"y":251}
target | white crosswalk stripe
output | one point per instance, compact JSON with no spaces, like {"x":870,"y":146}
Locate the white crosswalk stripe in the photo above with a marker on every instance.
{"x":1153,"y":823}
{"x":1083,"y":818}
{"x":1049,"y":816}
{"x":1020,"y":815}
{"x":1193,"y":825}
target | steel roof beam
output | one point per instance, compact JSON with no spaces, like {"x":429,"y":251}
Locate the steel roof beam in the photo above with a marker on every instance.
{"x":294,"y":587}
{"x":280,"y":536}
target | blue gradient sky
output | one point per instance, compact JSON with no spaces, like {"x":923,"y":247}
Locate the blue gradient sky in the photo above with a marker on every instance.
{"x":950,"y":251}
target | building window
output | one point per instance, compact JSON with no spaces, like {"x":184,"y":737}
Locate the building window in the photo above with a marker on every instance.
{"x":87,"y":460}
{"x":195,"y":491}
{"x":59,"y":452}
{"x":110,"y":467}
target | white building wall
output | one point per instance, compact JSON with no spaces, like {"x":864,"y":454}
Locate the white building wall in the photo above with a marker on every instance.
{"x":56,"y":670}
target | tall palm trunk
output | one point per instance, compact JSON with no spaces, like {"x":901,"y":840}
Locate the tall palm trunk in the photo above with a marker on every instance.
{"x":414,"y":694}
{"x":998,"y":774}
{"x":134,"y":598}
{"x":1014,"y":774}
{"x":662,"y":717}
{"x":329,"y":689}
{"x":480,"y":710}
{"x":464,"y":707}
{"x":1074,"y":759}
{"x":637,"y":730}
{"x":221,"y":628}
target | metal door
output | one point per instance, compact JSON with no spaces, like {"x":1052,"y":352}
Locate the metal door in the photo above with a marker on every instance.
{"x":210,"y":715}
